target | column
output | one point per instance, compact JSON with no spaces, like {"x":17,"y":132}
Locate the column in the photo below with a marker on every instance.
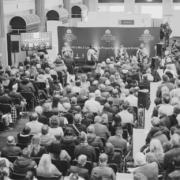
{"x":40,"y":12}
{"x":3,"y":45}
{"x":67,"y":5}
{"x":129,"y":6}
{"x":92,"y":5}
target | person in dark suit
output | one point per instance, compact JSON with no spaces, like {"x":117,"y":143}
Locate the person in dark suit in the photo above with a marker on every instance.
{"x":79,"y":168}
{"x":11,"y":149}
{"x":5,"y":99}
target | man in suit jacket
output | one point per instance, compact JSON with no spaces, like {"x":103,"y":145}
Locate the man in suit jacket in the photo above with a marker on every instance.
{"x":79,"y":168}
{"x":15,"y":94}
{"x":11,"y":149}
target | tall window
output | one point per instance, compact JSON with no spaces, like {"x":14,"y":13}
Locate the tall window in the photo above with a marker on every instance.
{"x":111,"y":8}
{"x":155,"y":11}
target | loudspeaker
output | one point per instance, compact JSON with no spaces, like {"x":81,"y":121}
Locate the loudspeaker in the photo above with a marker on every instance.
{"x":15,"y":46}
{"x":155,"y":63}
{"x":161,"y":47}
{"x":143,"y":98}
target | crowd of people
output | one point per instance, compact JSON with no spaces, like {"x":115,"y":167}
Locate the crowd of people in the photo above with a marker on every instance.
{"x":94,"y":114}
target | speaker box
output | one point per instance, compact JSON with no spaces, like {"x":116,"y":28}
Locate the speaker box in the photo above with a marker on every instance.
{"x":15,"y":46}
{"x":161,"y":47}
{"x":143,"y":98}
{"x":154,"y":63}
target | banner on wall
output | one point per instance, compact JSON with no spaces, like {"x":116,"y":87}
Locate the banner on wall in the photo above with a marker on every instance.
{"x":108,"y":40}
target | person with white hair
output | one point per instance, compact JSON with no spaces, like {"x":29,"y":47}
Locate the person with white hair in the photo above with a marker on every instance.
{"x":123,"y":89}
{"x":84,"y":148}
{"x":150,"y":170}
{"x":67,"y":52}
{"x":92,"y":105}
{"x":77,"y":126}
{"x":103,"y":169}
{"x":100,"y":129}
{"x":99,"y":69}
{"x":41,"y":118}
{"x":79,"y":168}
{"x":46,"y":168}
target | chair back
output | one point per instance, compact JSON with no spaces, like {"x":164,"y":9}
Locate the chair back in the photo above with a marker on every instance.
{"x":118,"y":151}
{"x":42,"y":85}
{"x":48,"y":114}
{"x":22,"y":146}
{"x":27,"y":95}
{"x":103,"y":141}
{"x":12,"y":158}
{"x":5,"y":108}
{"x":47,"y":178}
{"x":113,"y":166}
{"x":36,"y":159}
{"x":62,"y":166}
{"x":97,"y":150}
{"x":16,"y":101}
{"x":70,"y":150}
{"x":18,"y":176}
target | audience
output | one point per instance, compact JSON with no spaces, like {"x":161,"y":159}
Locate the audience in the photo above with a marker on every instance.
{"x":25,"y":137}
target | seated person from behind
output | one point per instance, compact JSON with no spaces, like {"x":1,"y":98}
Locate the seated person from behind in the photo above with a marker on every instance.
{"x":24,"y":163}
{"x":94,"y":140}
{"x":46,"y":168}
{"x":11,"y":149}
{"x":85,"y":149}
{"x":24,"y":137}
{"x":5,"y":99}
{"x":46,"y":137}
{"x":79,"y":168}
{"x":103,"y":169}
{"x":150,"y":170}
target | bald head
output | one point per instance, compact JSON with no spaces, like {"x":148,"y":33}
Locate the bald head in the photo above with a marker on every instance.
{"x":34,"y":116}
{"x":103,"y":158}
{"x":82,"y":159}
{"x":45,"y":130}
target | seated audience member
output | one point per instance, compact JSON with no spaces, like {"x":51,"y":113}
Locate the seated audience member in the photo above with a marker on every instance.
{"x":107,"y":110}
{"x":117,"y":141}
{"x":68,"y":92}
{"x":46,"y":137}
{"x":75,"y":108}
{"x":93,"y":87}
{"x":130,"y":83}
{"x":84,"y":148}
{"x":25,"y":137}
{"x":100,"y":129}
{"x":34,"y":125}
{"x":150,"y":170}
{"x":116,"y":98}
{"x":26,"y":86}
{"x":77,"y":126}
{"x":79,"y":168}
{"x":57,"y":153}
{"x":172,"y":153}
{"x":99,"y":98}
{"x":11,"y":149}
{"x":126,"y":117}
{"x":82,"y":96}
{"x":41,"y":118}
{"x":54,"y":128}
{"x":104,"y":119}
{"x":103,"y":169}
{"x":14,"y":94}
{"x":88,"y":117}
{"x":69,"y":138}
{"x":132,"y":99}
{"x":46,"y":168}
{"x":116,"y":123}
{"x":123,"y":89}
{"x":92,"y":105}
{"x":24,"y":163}
{"x":139,"y":176}
{"x":5,"y":99}
{"x":35,"y":147}
{"x":76,"y":89}
{"x":92,"y":139}
{"x":113,"y":157}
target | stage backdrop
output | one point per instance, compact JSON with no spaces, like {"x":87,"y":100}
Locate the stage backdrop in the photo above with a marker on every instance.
{"x":108,"y":40}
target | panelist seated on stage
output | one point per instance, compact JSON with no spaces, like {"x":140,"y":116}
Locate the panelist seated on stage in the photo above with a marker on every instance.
{"x":92,"y":55}
{"x":122,"y":53}
{"x":67,"y":52}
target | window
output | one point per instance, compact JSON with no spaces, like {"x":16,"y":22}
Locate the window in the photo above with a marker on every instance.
{"x":154,"y":11}
{"x":111,"y":8}
{"x":176,"y":7}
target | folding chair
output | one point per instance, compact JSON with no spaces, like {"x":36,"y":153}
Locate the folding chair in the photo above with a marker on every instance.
{"x":18,"y":176}
{"x":113,"y":166}
{"x":97,"y":150}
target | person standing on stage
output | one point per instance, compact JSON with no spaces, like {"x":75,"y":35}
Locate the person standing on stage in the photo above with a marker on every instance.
{"x":141,"y":53}
{"x":67,"y":52}
{"x":161,"y":36}
{"x":92,"y":55}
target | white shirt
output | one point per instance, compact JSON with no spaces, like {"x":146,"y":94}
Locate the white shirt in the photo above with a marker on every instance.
{"x":93,"y":106}
{"x":35,"y":127}
{"x":76,"y":89}
{"x":168,"y":109}
{"x":56,"y":131}
{"x":133,"y":100}
{"x":126,"y":117}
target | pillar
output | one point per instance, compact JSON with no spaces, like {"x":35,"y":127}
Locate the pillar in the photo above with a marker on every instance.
{"x":91,"y":4}
{"x":168,"y":12}
{"x":67,"y":5}
{"x":40,"y":12}
{"x":3,"y":44}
